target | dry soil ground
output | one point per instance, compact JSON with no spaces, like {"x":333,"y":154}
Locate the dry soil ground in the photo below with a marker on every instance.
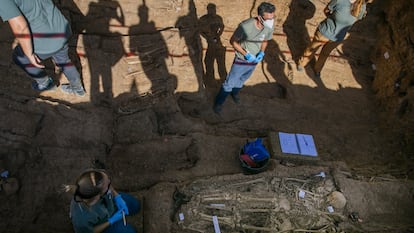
{"x":170,"y":137}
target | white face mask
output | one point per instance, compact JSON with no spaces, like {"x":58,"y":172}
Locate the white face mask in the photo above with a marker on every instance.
{"x":268,"y":22}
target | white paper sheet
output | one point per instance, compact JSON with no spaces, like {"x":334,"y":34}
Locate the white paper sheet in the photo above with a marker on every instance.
{"x":306,"y":144}
{"x":288,"y":143}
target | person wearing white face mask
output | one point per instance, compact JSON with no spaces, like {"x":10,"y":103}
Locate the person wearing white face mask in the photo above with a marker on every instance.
{"x":249,"y":42}
{"x":340,"y":16}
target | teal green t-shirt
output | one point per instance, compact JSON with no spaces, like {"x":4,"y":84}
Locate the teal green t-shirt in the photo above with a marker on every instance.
{"x":50,"y":30}
{"x":250,"y":37}
{"x":85,"y":218}
{"x":336,"y":25}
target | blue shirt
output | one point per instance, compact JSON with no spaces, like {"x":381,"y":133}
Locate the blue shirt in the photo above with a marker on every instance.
{"x":50,"y":30}
{"x":85,"y":218}
{"x":337,"y":24}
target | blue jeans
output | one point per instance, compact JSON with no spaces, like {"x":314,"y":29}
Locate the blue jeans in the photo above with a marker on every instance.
{"x":133,"y":207}
{"x":61,"y":59}
{"x":240,"y":71}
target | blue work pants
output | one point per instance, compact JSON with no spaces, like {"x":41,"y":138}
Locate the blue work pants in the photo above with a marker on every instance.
{"x":240,"y":71}
{"x":60,"y":58}
{"x":134,"y":207}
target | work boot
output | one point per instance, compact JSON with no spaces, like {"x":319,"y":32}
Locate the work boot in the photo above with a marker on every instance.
{"x":220,"y":98}
{"x":217,"y":108}
{"x":235,"y":95}
{"x":69,"y":89}
{"x":43,"y":84}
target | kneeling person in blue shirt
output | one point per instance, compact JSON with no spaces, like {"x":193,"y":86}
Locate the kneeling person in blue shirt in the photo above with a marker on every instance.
{"x":97,"y":207}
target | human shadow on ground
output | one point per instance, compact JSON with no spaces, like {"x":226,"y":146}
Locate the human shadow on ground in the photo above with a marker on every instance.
{"x":188,"y":29}
{"x":148,"y":44}
{"x":297,"y":33}
{"x":77,"y":22}
{"x":274,"y":67}
{"x":72,"y":13}
{"x":103,"y":48}
{"x":211,"y":28}
{"x":276,"y":64}
{"x":295,"y":26}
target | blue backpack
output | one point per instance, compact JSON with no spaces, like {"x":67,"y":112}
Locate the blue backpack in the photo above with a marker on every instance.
{"x":256,"y":150}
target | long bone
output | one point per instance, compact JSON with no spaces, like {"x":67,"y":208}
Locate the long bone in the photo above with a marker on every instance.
{"x":260,"y":180}
{"x":225,"y":220}
{"x":235,"y":197}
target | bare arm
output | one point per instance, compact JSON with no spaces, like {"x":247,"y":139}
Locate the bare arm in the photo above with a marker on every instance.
{"x":22,"y":32}
{"x":237,"y":46}
{"x":263,"y":46}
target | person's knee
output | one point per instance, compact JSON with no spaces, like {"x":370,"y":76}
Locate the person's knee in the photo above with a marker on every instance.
{"x":227,"y":87}
{"x":134,"y":205}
